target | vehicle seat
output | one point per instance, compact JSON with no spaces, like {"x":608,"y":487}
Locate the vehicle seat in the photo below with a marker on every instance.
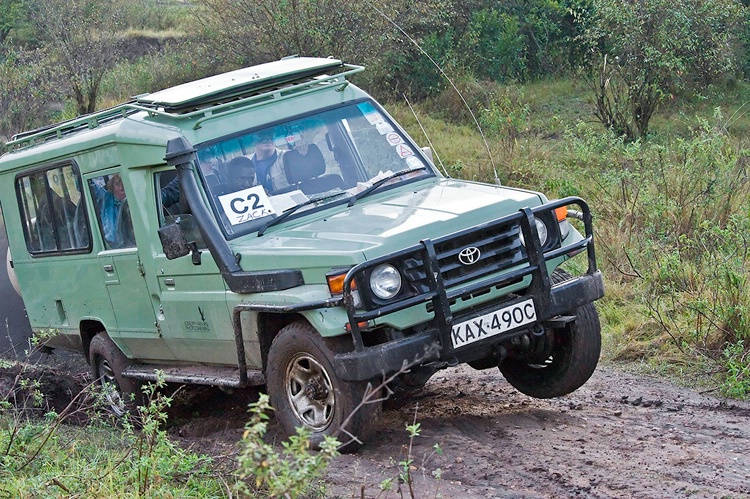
{"x":307,"y":172}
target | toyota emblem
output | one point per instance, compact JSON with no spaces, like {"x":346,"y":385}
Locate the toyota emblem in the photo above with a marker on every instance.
{"x":469,"y":256}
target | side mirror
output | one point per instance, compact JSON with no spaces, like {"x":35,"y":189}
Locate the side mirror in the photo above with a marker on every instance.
{"x":175,"y":245}
{"x":427,"y":150}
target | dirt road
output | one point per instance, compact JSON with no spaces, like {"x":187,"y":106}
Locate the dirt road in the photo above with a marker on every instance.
{"x":620,"y":436}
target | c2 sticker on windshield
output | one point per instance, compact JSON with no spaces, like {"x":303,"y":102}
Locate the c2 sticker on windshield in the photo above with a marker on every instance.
{"x":246,"y":205}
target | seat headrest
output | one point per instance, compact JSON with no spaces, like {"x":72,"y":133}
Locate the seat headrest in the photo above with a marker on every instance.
{"x":299,"y":168}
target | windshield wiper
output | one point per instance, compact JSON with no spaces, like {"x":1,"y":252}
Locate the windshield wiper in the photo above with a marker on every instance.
{"x":286,"y":213}
{"x":380,"y":182}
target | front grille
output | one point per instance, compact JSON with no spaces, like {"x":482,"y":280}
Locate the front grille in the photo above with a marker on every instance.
{"x":500,"y":248}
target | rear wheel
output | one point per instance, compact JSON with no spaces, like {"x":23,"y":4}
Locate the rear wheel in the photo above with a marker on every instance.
{"x":569,"y":356}
{"x":121,"y":395}
{"x":305,"y":391}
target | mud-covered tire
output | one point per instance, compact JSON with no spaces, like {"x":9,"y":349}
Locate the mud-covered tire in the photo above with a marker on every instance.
{"x":305,"y":391}
{"x":122,"y":395}
{"x":572,"y":361}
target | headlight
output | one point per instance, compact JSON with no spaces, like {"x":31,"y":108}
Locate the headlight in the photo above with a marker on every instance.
{"x":385,"y":281}
{"x":541,"y":228}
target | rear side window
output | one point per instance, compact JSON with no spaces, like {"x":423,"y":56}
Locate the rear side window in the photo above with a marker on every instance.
{"x":52,"y":211}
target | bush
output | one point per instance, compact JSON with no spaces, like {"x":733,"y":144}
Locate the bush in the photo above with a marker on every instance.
{"x":27,"y":92}
{"x":672,"y":223}
{"x":292,"y":473}
{"x":645,"y":51}
{"x":497,"y":45}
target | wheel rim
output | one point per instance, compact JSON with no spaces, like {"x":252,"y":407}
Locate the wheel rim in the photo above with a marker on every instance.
{"x":110,"y":387}
{"x":310,"y":392}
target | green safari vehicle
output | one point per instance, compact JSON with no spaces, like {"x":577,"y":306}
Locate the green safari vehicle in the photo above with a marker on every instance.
{"x":275,"y":226}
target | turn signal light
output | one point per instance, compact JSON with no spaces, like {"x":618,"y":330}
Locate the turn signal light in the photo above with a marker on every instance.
{"x":336,"y":284}
{"x":561,"y":213}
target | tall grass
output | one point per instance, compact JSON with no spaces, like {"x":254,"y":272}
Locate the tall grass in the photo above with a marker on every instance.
{"x":671,"y":214}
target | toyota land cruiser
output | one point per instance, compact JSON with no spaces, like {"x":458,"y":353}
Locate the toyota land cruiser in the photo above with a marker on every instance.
{"x":274,"y":225}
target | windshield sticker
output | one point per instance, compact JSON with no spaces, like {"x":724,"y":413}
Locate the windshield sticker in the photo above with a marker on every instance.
{"x":384,"y":127}
{"x":414,"y":162}
{"x":394,"y":139}
{"x":404,"y":151}
{"x":366,"y":107}
{"x":246,"y":205}
{"x":287,"y":200}
{"x":374,"y":117}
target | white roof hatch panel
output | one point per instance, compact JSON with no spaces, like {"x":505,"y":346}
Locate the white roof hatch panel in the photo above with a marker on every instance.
{"x":241,"y":81}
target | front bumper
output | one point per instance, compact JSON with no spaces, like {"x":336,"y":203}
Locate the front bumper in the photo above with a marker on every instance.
{"x":430,"y":345}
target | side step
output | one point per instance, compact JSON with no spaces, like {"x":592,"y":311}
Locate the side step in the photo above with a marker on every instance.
{"x":195,"y":375}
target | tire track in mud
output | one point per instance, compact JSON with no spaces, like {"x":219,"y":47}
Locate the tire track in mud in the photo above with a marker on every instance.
{"x":621,"y":435}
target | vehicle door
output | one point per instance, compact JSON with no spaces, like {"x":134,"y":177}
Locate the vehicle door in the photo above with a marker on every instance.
{"x":122,"y":268}
{"x":192,"y":311}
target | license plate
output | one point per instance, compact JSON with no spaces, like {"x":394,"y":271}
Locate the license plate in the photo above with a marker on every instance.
{"x":493,"y":323}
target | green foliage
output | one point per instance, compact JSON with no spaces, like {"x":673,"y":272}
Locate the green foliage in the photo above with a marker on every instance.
{"x":82,"y":38}
{"x":11,"y":13}
{"x":291,"y":473}
{"x":259,"y":30}
{"x":419,"y":77}
{"x":27,"y":88}
{"x":506,"y":119}
{"x":737,"y":381}
{"x":178,"y":61}
{"x":173,"y":16}
{"x":644,"y":52}
{"x":699,"y":288}
{"x":407,"y":464}
{"x":97,"y":460}
{"x":498,"y":43}
{"x":671,"y":223}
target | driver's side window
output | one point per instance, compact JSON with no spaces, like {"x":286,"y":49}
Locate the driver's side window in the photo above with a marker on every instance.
{"x":173,"y":207}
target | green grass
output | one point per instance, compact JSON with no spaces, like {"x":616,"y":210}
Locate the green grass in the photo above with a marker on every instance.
{"x":650,"y":199}
{"x":97,"y":460}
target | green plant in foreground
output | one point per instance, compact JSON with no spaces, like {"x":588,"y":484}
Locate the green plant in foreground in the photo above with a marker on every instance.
{"x":737,"y":382}
{"x":290,"y":473}
{"x":44,"y":457}
{"x":406,"y":465}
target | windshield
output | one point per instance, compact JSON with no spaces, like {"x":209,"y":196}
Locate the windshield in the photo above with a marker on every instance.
{"x":253,"y":178}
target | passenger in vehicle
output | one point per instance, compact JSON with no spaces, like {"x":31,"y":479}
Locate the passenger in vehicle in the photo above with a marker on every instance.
{"x":241,"y":174}
{"x":114,"y":213}
{"x":54,"y":211}
{"x":268,"y":163}
{"x":211,"y":167}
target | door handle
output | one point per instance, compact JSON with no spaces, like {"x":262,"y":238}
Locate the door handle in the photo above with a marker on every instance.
{"x":109,"y":268}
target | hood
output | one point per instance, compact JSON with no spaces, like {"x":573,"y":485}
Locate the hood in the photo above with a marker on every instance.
{"x":383,"y":223}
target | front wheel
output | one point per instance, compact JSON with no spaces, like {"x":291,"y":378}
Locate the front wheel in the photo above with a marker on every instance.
{"x":569,"y":360}
{"x":305,"y":391}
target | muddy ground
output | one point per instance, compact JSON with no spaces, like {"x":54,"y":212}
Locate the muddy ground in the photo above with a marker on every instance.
{"x":620,"y":436}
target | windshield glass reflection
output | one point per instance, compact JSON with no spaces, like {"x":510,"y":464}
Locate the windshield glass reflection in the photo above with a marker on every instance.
{"x":254,"y":178}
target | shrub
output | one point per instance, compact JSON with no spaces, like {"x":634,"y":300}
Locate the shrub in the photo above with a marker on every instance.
{"x":291,"y":473}
{"x":27,"y":91}
{"x":645,"y":51}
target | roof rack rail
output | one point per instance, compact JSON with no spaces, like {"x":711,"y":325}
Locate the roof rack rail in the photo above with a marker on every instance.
{"x":86,"y":121}
{"x":212,"y":96}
